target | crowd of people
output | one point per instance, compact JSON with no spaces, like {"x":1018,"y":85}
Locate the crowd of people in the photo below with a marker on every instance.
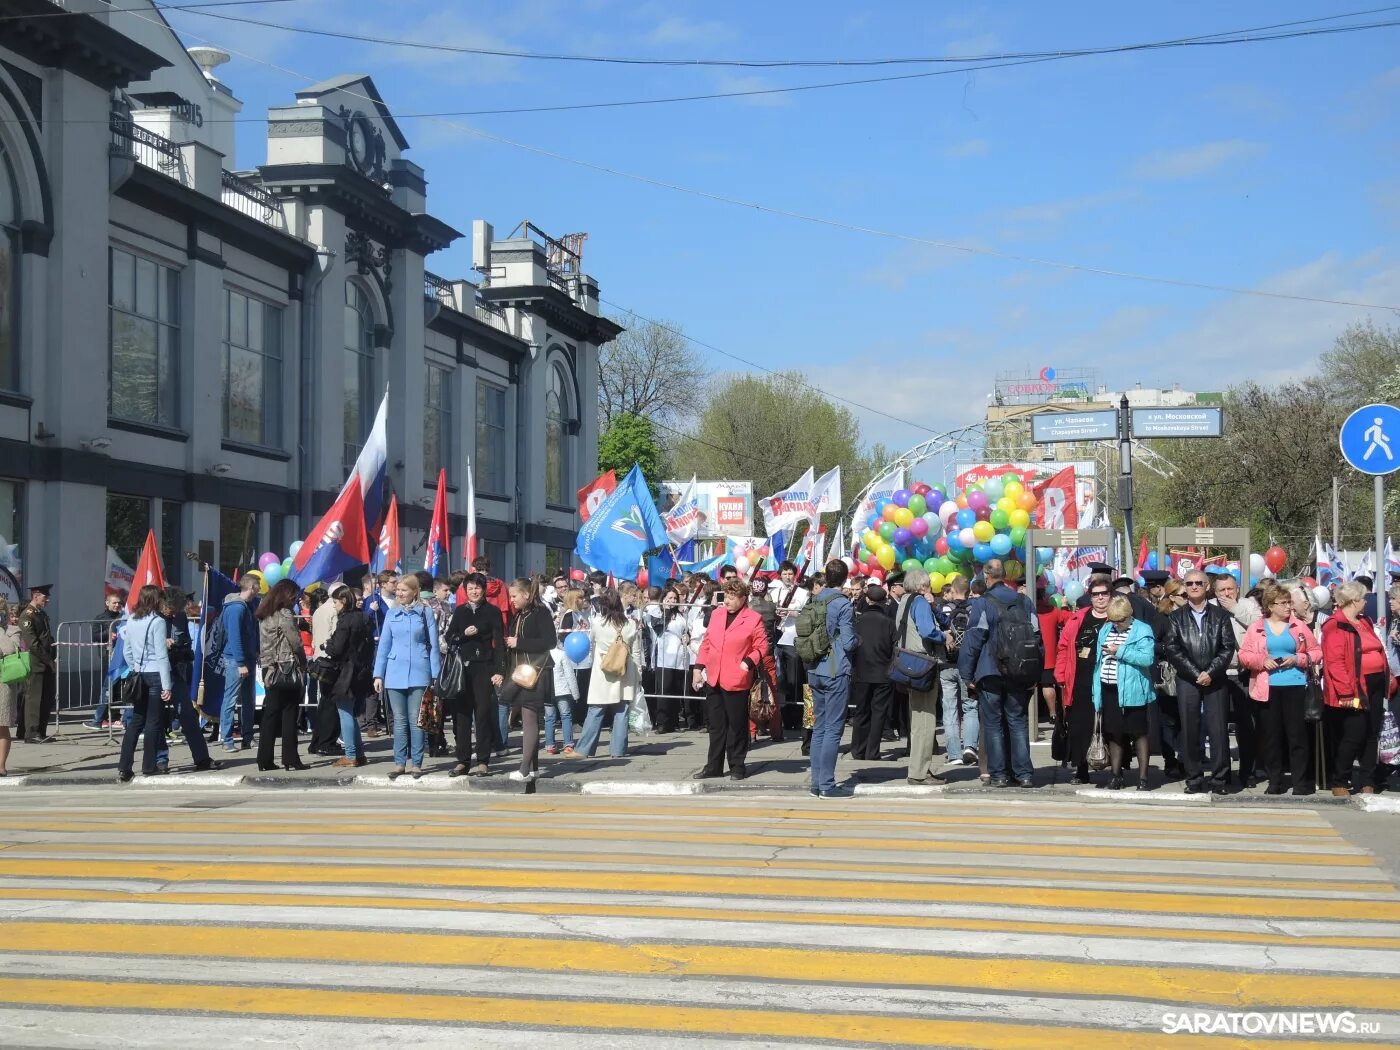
{"x":1301,"y":678}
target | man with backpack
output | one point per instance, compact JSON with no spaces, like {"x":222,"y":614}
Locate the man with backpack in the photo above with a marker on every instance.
{"x":959,"y":741}
{"x":1002,"y":655}
{"x":826,"y":638}
{"x":233,"y":639}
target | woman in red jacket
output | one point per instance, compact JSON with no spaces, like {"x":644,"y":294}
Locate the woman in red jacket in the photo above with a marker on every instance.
{"x":734,"y":650}
{"x":1052,"y":620}
{"x":1077,"y":656}
{"x":1353,"y":689}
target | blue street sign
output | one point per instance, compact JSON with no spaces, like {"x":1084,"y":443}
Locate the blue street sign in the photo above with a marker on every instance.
{"x":1049,"y":427}
{"x":1370,"y":439}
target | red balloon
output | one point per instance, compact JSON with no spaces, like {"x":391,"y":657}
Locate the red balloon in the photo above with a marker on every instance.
{"x":643,"y":578}
{"x":878,"y":575}
{"x":1275,"y":558}
{"x":940,"y":546}
{"x":1309,"y":582}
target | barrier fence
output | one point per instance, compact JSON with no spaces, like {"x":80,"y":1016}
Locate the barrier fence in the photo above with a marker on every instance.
{"x":84,"y":653}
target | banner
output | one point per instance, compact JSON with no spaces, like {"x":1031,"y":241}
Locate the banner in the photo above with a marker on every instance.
{"x":591,"y":496}
{"x":810,"y":558}
{"x":623,"y":528}
{"x":1057,"y":508}
{"x":119,"y":573}
{"x":682,"y":521}
{"x":788,"y":506}
{"x":826,"y":493}
{"x":726,"y":507}
{"x":883,"y":488}
{"x":1035,"y":474}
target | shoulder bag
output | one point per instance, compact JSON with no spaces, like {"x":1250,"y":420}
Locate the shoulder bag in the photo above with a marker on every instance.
{"x":524,"y":674}
{"x":1097,"y":755}
{"x":14,"y":668}
{"x":615,"y":659}
{"x":912,"y":668}
{"x":283,"y":672}
{"x":130,"y":686}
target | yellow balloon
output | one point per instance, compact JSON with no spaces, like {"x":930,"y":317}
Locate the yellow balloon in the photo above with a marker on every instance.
{"x":1019,"y":519}
{"x":1012,"y":489}
{"x":1006,"y":504}
{"x":936,"y":582}
{"x":951,"y":577}
{"x":903,"y":516}
{"x":983,"y":531}
{"x":885,"y":556}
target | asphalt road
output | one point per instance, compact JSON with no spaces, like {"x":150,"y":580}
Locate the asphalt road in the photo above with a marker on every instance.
{"x":346,"y":919}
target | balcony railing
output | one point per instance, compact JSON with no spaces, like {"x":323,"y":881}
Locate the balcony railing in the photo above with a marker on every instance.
{"x":253,"y":199}
{"x":150,"y":150}
{"x":439,"y":288}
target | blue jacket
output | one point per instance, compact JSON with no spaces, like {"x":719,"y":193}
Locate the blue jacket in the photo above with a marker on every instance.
{"x":1136,"y":656}
{"x":976,"y":660}
{"x":376,"y":607}
{"x":242,"y":632}
{"x":841,"y":628}
{"x":407,"y":656}
{"x":146,"y":651}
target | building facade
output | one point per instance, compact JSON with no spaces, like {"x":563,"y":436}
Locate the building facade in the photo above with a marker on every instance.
{"x":199,"y":349}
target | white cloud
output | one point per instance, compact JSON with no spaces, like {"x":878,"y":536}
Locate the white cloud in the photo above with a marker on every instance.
{"x":677,"y":29}
{"x":1389,"y":79}
{"x":731,"y":83}
{"x":967,"y":148}
{"x":1192,"y":161}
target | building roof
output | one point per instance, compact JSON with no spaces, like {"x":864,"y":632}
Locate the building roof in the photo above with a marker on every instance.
{"x":366,"y":88}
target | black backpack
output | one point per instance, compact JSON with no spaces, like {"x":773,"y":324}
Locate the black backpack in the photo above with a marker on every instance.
{"x":957,"y":626}
{"x":215,"y":642}
{"x":1017,"y":650}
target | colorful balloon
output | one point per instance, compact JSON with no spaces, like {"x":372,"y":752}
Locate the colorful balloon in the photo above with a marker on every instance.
{"x":1017,"y":536}
{"x":902,"y":517}
{"x":994,"y":489}
{"x":1026,"y":500}
{"x":936,"y":582}
{"x":935,"y":500}
{"x":901,"y":537}
{"x":967,"y":538}
{"x":273,"y":574}
{"x":983,"y":531}
{"x":886,"y":530}
{"x":1000,"y":544}
{"x":919,"y":527}
{"x":577,"y":646}
{"x":940,"y":546}
{"x":1000,"y":520}
{"x":976,"y":499}
{"x":911,"y":563}
{"x":918,"y":506}
{"x":268,"y":558}
{"x":901,"y":497}
{"x":966,"y":518}
{"x":1275,"y":558}
{"x":982,"y":552}
{"x":890,"y":511}
{"x":1257,"y":566}
{"x":295,"y":549}
{"x":1019,"y":519}
{"x":885,"y":557}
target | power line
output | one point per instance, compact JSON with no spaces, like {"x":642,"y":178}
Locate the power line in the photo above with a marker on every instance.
{"x":191,"y":8}
{"x":796,"y":63}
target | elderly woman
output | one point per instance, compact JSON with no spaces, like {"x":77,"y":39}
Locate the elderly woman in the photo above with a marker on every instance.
{"x":1075,"y":666}
{"x":1354,"y":686}
{"x":1279,"y":650}
{"x":915,"y":614}
{"x":732,"y":654}
{"x":9,"y":694}
{"x":1123,"y":687}
{"x":405,"y":664}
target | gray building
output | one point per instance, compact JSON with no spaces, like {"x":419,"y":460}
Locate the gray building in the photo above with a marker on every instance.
{"x":199,"y":349}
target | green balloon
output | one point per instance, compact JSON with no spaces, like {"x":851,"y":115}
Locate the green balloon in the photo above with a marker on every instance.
{"x":887,"y":530}
{"x":946,"y":565}
{"x":1018,"y":537}
{"x":911,"y":563}
{"x":931,"y":565}
{"x":999,"y":519}
{"x":918,"y":506}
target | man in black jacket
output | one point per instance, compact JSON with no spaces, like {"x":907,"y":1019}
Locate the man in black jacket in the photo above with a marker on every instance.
{"x":1200,"y":644}
{"x":871,"y":691}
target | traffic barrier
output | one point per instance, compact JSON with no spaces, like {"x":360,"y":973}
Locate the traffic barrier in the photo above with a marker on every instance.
{"x":84,"y":653}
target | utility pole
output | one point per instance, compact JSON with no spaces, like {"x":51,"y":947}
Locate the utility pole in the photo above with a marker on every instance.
{"x":1125,"y":480}
{"x":1336,"y":513}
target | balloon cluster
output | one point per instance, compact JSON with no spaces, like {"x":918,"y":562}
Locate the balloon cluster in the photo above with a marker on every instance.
{"x":272,"y":570}
{"x":945,"y":532}
{"x":752,"y":560}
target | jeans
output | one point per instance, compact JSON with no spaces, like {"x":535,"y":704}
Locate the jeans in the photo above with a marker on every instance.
{"x":350,"y":735}
{"x":564,"y":706}
{"x":148,"y":715}
{"x":1002,"y":708}
{"x":956,"y":700}
{"x":238,"y":693}
{"x":829,"y":699}
{"x":502,"y":724}
{"x":404,"y":704}
{"x":189,"y":724}
{"x":593,"y":728}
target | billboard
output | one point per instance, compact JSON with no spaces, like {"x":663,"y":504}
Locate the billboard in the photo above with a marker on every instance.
{"x":1086,"y":486}
{"x":726,"y":507}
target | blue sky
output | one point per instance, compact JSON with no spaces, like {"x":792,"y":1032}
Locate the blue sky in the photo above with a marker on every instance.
{"x":1272,"y":165}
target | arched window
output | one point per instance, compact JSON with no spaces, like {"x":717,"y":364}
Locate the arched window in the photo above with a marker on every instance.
{"x":556,"y":439}
{"x":9,"y":274}
{"x":359,"y":371}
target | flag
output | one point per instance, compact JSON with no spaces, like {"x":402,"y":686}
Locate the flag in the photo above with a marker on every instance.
{"x":591,"y":496}
{"x":1392,"y":560}
{"x":788,"y":506}
{"x":1058,"y":507}
{"x":386,"y":553}
{"x":1366,"y":567}
{"x":148,"y":570}
{"x":683,"y":520}
{"x":710,"y":566}
{"x":826,"y":494}
{"x":217,"y":587}
{"x":1142,"y":557}
{"x":370,"y":469}
{"x":469,"y":544}
{"x":119,"y":573}
{"x":1083,"y":557}
{"x":622,"y":529}
{"x":838,"y":543}
{"x":337,"y":543}
{"x":435,"y":554}
{"x":809,"y":558}
{"x":880,"y":488}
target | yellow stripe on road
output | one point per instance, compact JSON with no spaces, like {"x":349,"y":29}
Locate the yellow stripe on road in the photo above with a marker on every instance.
{"x":241,"y":1000}
{"x":1096,"y":900}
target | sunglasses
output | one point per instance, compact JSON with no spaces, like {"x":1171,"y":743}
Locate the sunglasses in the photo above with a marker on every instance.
{"x":1195,"y":583}
{"x":1099,"y":594}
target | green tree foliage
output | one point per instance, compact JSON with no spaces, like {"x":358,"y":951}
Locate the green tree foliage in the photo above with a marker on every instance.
{"x":1363,"y":359}
{"x":631,"y":439}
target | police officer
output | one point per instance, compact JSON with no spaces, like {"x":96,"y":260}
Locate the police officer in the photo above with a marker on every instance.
{"x":37,"y":635}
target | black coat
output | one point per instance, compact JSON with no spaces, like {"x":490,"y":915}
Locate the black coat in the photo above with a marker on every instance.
{"x":875,"y":631}
{"x":351,"y":648}
{"x":486,"y":646}
{"x":1192,"y":651}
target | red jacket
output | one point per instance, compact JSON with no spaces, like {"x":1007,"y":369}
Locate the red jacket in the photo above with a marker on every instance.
{"x":496,"y":595}
{"x":1052,"y":620}
{"x":1342,"y":681}
{"x":1066,"y":662}
{"x":724,"y":649}
{"x":1254,"y":653}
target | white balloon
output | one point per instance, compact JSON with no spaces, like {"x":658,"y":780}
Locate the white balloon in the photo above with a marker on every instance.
{"x":1257,"y":568}
{"x":1321,"y":596}
{"x":741,"y":562}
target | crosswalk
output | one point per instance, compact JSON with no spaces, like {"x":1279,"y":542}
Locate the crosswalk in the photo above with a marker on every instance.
{"x":356,"y":918}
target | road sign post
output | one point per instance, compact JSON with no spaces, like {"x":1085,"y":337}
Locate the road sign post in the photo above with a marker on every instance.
{"x":1370,"y":442}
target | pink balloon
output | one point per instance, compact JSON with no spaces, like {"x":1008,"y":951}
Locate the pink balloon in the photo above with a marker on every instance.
{"x":977,"y":499}
{"x":967,"y":538}
{"x":919,"y":527}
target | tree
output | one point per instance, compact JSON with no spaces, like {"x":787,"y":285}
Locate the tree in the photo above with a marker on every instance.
{"x":650,"y":370}
{"x":769,"y":429}
{"x":631,"y":439}
{"x":1363,"y":359}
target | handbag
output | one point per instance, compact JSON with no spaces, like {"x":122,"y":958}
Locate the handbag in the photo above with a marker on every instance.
{"x":1312,"y":700}
{"x":324,"y":670}
{"x":283,"y":672}
{"x":1059,"y":738}
{"x":1388,"y":746}
{"x":1097,"y":755}
{"x":429,"y":710}
{"x":615,"y":659}
{"x":912,"y":668}
{"x":14,"y":668}
{"x":525,"y":675}
{"x":760,"y":702}
{"x":130,"y":689}
{"x":452,"y":677}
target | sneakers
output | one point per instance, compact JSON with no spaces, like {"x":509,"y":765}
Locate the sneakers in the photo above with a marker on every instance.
{"x":94,"y":724}
{"x":969,"y":756}
{"x":837,"y":792}
{"x":519,"y":777}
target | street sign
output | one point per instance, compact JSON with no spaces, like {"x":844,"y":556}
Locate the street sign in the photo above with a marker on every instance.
{"x":1047,"y":428}
{"x":1370,"y":439}
{"x":1177,"y":422}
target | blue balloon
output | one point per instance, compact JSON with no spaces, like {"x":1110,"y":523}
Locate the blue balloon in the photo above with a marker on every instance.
{"x":954,"y":541}
{"x":880,"y":505}
{"x":983,"y":552}
{"x":1151,"y":559}
{"x":576,"y":646}
{"x":967,"y":518}
{"x":1000,"y":544}
{"x":1044,"y":555}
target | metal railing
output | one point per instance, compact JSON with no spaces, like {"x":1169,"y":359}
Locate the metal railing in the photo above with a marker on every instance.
{"x":84,"y":653}
{"x":492,"y":313}
{"x":253,"y":199}
{"x":439,"y":288}
{"x":149,"y":149}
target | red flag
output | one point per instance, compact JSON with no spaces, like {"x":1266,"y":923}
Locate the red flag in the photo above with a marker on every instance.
{"x":591,"y":496}
{"x":1058,"y":508}
{"x":386,"y":554}
{"x":435,"y":556}
{"x":148,"y":570}
{"x":336,"y":543}
{"x":1142,"y":557}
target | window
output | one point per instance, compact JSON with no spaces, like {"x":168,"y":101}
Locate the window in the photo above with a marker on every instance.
{"x":171,"y":552}
{"x":490,"y":438}
{"x":556,"y":479}
{"x":359,"y":371}
{"x":556,"y":560}
{"x":9,"y":276}
{"x":144,"y":339}
{"x":252,"y":370}
{"x":238,"y":538}
{"x":437,"y":422}
{"x":496,"y":551}
{"x":11,"y":538}
{"x":128,"y":522}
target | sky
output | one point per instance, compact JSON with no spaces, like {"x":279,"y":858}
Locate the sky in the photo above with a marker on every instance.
{"x":1271,"y":166}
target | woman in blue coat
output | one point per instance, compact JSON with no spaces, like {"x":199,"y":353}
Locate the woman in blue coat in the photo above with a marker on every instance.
{"x":406,"y":662}
{"x":1123,"y":687}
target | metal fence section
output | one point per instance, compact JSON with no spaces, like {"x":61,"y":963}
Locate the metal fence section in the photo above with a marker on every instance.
{"x":84,"y":652}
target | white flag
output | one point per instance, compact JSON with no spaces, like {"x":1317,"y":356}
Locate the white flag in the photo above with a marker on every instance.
{"x":788,"y":506}
{"x":826,"y":494}
{"x":682,"y":521}
{"x":883,"y":488}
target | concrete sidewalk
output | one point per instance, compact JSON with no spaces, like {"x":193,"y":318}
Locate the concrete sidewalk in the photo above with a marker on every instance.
{"x":654,"y":765}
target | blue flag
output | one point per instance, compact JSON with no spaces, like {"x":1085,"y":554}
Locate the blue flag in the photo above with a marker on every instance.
{"x":620,"y":531}
{"x":217,"y":587}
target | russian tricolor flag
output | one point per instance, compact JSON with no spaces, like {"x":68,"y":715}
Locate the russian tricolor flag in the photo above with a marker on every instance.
{"x":435,"y":557}
{"x":338,"y":543}
{"x":371,"y":467}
